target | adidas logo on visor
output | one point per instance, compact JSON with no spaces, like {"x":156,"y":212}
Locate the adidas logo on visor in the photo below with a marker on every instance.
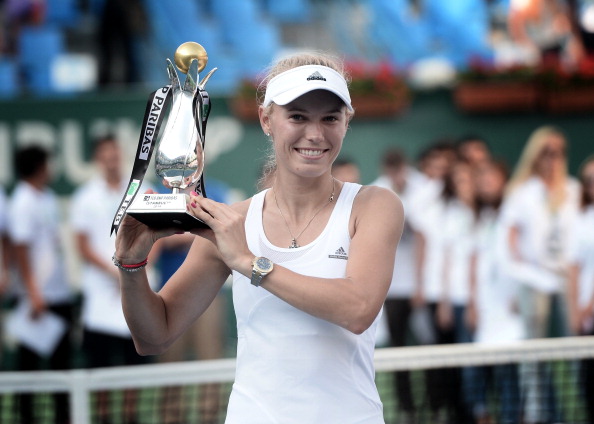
{"x":316,"y":76}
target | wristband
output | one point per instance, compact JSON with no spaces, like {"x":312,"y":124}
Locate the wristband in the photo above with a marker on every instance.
{"x":131,"y":267}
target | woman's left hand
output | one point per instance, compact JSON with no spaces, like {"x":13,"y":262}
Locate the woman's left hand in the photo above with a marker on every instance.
{"x":228,"y":227}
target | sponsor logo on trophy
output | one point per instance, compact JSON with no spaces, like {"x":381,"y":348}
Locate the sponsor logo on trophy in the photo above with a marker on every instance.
{"x":179,"y":156}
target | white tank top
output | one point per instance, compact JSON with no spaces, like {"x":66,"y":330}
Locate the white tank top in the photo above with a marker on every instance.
{"x":291,"y":366}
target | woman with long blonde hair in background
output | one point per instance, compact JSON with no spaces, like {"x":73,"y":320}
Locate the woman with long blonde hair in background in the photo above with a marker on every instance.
{"x":539,"y":209}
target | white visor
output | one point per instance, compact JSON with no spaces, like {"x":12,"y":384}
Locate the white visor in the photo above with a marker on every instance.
{"x":287,"y":86}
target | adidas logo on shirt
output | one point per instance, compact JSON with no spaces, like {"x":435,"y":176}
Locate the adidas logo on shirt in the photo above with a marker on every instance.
{"x":339,"y":254}
{"x":316,"y":76}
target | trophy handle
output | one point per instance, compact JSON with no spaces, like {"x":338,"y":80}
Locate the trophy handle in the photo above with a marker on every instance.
{"x":173,"y":78}
{"x":201,"y":107}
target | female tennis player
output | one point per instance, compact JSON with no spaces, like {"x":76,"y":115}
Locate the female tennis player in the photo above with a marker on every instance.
{"x":311,"y":257}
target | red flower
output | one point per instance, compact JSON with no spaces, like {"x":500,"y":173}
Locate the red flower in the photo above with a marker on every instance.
{"x":382,"y":80}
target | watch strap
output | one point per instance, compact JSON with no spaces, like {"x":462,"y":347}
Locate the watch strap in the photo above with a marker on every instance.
{"x":256,"y":278}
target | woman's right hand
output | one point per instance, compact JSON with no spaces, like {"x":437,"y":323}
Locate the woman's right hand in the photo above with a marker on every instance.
{"x":135,"y":240}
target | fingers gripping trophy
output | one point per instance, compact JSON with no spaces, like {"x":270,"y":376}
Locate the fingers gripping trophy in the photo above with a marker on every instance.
{"x":179,"y":158}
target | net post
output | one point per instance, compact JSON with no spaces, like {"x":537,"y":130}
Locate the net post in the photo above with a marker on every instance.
{"x":79,"y":398}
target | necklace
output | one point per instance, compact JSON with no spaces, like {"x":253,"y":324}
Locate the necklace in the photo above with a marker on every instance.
{"x":294,"y":243}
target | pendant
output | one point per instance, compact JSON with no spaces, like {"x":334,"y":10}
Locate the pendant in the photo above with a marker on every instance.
{"x":294,"y":244}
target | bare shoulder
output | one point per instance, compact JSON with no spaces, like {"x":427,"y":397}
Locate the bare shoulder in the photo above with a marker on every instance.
{"x":377,"y":200}
{"x":377,"y":208}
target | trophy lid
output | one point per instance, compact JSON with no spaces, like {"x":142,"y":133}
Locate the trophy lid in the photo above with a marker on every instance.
{"x":187,"y":52}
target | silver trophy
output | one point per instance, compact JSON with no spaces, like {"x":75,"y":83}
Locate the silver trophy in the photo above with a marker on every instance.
{"x":179,"y":158}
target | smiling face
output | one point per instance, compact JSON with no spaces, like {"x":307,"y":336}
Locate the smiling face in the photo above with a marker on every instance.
{"x":307,"y":133}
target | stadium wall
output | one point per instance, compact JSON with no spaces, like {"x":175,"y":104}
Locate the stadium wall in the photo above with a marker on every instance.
{"x":235,"y":149}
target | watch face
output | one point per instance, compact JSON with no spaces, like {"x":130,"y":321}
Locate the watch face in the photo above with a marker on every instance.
{"x":264,"y":264}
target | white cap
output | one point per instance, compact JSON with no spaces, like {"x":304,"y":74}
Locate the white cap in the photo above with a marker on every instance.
{"x":287,"y":86}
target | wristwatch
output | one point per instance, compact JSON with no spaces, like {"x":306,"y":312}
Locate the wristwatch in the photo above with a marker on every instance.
{"x":261,"y":267}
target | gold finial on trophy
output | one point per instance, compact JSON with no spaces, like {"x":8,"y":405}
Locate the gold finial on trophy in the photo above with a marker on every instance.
{"x":188,"y":51}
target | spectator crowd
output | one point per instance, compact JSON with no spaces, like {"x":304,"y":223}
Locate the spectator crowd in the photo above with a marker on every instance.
{"x":492,"y":255}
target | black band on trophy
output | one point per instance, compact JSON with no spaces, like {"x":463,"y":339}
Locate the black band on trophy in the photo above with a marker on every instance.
{"x":157,"y":103}
{"x":201,"y":110}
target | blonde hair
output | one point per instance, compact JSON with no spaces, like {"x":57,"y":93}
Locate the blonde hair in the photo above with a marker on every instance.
{"x":526,"y":167}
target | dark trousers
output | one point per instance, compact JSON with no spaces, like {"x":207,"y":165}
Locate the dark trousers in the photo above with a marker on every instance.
{"x":587,"y":384}
{"x":398,"y":312}
{"x":60,"y":359}
{"x":444,"y":385}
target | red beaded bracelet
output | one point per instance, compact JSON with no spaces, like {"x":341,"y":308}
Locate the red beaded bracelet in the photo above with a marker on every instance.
{"x":131,"y":267}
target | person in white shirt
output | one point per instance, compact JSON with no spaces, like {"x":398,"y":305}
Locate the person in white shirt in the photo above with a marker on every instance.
{"x":492,"y":312}
{"x":312,"y":259}
{"x":455,"y":216}
{"x":106,"y":337}
{"x":424,"y":213}
{"x":540,"y":208}
{"x":458,"y":223}
{"x":434,"y":164}
{"x":397,"y":175}
{"x":33,"y":226}
{"x":581,"y":279}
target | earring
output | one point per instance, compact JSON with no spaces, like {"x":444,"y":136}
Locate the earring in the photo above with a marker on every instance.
{"x":267,"y":134}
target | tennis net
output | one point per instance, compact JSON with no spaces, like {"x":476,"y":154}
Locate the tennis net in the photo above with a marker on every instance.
{"x":544,"y":380}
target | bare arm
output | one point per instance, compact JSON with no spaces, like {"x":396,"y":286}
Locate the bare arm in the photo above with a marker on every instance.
{"x":472,"y":309}
{"x":572,"y":299}
{"x":352,"y":302}
{"x":23,"y":263}
{"x":156,"y":320}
